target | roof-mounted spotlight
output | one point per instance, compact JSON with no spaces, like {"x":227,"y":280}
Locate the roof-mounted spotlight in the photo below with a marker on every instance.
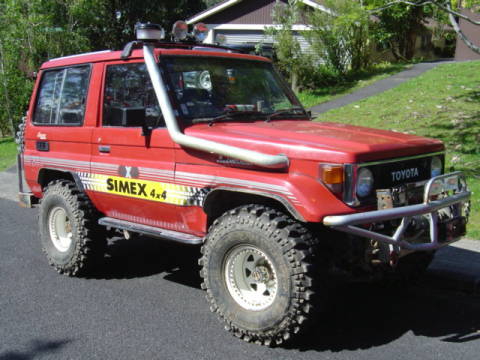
{"x":180,"y":30}
{"x":149,"y":32}
{"x":200,"y":32}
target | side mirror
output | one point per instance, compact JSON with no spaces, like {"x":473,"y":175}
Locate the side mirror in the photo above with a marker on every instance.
{"x":148,"y":125}
{"x":147,"y":130}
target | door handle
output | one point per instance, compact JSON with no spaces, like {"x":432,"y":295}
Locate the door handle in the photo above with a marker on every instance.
{"x":104,"y":148}
{"x":42,"y":146}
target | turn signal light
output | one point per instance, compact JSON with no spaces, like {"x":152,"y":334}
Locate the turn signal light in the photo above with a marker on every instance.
{"x":332,"y":177}
{"x":331,"y":174}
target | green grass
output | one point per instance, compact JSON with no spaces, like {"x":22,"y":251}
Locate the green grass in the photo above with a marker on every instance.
{"x":8,"y":151}
{"x":311,"y":98}
{"x":443,"y":103}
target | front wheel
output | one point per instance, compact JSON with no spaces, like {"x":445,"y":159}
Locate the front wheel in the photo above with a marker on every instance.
{"x":257,"y":267}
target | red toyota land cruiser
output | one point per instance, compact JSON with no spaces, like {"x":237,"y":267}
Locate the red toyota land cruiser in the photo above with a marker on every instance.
{"x":201,"y":145}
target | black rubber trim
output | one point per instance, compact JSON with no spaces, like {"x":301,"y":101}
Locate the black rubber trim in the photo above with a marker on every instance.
{"x":291,"y":209}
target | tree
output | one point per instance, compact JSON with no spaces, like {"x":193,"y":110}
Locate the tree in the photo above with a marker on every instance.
{"x":33,"y":31}
{"x":397,"y":26}
{"x":210,"y":3}
{"x":30,"y":33}
{"x":110,"y":23}
{"x":340,"y":37}
{"x":288,"y":51}
{"x":451,"y":8}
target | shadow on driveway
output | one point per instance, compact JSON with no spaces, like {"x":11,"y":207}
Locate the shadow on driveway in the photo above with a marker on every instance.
{"x":37,"y":348}
{"x":362,"y":316}
{"x":142,"y":256}
{"x":358,"y":316}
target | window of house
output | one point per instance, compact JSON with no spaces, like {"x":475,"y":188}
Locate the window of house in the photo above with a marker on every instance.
{"x":129,"y":98}
{"x":62,"y":96}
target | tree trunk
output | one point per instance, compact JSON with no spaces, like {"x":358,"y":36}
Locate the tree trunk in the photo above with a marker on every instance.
{"x":294,"y":81}
{"x":415,"y":25}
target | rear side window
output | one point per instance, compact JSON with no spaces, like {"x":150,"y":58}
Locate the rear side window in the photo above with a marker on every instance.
{"x":129,"y":98}
{"x":62,"y":96}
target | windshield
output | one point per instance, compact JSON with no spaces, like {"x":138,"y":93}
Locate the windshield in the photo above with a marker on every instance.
{"x":219,"y":89}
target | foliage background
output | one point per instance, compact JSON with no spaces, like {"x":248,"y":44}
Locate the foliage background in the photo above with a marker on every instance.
{"x":33,"y":31}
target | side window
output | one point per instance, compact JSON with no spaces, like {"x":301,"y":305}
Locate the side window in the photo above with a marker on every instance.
{"x":129,"y":98}
{"x":62,"y":95}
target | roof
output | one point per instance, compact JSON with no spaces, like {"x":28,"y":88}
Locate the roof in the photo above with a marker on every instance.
{"x":228,"y":3}
{"x":180,"y":49}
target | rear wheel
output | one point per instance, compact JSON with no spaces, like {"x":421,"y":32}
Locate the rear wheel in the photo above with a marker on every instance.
{"x":71,"y":237}
{"x":257,"y":267}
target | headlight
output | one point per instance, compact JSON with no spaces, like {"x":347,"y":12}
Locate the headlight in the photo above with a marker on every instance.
{"x":436,"y":167}
{"x":364,"y":182}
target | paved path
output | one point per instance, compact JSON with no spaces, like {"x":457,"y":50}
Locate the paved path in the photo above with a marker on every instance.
{"x":377,"y":87}
{"x":8,"y":184}
{"x":146,"y":303}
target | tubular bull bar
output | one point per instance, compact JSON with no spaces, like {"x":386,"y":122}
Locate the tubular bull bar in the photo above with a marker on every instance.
{"x":449,"y":183}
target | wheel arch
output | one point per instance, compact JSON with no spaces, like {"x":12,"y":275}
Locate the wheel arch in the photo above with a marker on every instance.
{"x":222,"y":199}
{"x":47,"y":175}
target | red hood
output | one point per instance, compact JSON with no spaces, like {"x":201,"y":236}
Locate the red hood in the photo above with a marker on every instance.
{"x":320,"y":141}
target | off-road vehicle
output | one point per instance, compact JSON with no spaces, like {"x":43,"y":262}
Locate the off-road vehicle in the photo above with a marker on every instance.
{"x":202,"y":145}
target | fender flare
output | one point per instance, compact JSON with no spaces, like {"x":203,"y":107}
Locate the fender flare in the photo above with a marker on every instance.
{"x":73,"y":174}
{"x":290,"y":208}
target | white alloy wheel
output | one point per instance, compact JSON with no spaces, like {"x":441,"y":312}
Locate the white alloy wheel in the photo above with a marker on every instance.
{"x":250,"y":277}
{"x":60,"y":229}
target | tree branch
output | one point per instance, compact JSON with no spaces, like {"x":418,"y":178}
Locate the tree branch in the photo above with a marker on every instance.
{"x":460,"y":33}
{"x":445,"y":5}
{"x":439,"y":4}
{"x":396,"y":2}
{"x":448,"y":8}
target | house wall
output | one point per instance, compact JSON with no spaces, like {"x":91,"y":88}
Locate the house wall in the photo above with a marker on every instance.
{"x":248,"y":12}
{"x":245,"y":12}
{"x":473,"y":33}
{"x":235,"y":37}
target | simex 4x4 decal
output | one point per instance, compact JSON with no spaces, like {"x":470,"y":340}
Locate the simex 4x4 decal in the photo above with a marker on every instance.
{"x":145,"y":189}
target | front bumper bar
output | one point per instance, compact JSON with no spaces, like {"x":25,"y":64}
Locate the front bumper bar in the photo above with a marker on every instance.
{"x":347,"y":223}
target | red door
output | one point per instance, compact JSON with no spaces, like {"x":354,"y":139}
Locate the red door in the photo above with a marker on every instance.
{"x":132,"y":175}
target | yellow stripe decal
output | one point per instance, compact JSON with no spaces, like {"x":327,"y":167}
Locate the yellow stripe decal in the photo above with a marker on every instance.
{"x":145,"y":189}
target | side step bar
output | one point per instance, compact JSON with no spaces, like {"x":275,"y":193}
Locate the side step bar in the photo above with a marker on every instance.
{"x":151,"y":231}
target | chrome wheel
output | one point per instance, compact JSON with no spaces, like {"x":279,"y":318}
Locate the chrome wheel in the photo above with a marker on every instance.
{"x":250,"y":277}
{"x":60,"y":229}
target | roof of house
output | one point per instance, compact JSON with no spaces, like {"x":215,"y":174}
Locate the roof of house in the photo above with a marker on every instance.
{"x":221,"y":6}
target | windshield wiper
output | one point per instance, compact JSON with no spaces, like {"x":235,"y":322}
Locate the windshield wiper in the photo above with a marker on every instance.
{"x":227,"y":116}
{"x":290,"y":111}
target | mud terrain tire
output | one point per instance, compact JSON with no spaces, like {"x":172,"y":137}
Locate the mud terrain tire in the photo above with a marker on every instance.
{"x":256,"y":242}
{"x":70,"y":235}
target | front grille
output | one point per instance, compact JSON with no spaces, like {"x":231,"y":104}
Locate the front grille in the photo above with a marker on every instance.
{"x":398,"y":173}
{"x":391,"y":175}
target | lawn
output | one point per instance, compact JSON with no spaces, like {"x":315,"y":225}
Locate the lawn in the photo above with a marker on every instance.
{"x":443,"y":103}
{"x":311,"y":98}
{"x":8,"y":151}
